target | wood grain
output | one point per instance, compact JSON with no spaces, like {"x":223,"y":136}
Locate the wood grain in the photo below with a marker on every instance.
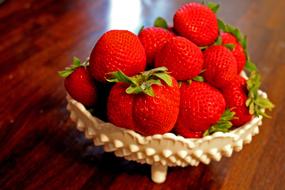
{"x":39,"y":147}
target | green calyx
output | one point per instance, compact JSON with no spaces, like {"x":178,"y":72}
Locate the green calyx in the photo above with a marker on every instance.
{"x":242,"y":39}
{"x":230,"y":46}
{"x":160,"y":22}
{"x":223,"y":125}
{"x":218,"y":41}
{"x":142,"y":83}
{"x":198,"y":79}
{"x":75,"y":64}
{"x":213,"y":6}
{"x":256,"y":103}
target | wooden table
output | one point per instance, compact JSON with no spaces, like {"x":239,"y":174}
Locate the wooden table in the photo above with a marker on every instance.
{"x":39,"y":147}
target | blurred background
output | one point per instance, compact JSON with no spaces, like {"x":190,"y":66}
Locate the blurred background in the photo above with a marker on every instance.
{"x":40,"y":149}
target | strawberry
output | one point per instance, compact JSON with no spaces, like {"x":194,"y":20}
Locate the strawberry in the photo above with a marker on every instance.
{"x":237,"y":50}
{"x":196,"y":22}
{"x":158,"y":114}
{"x":153,"y":39}
{"x":220,"y":66}
{"x":120,"y":106}
{"x":201,"y":106}
{"x":79,"y":83}
{"x":228,"y":38}
{"x":117,"y":50}
{"x":148,"y":103}
{"x":182,"y":58}
{"x":236,"y":95}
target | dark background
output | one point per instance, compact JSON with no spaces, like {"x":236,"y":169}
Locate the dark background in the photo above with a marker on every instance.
{"x":39,"y":147}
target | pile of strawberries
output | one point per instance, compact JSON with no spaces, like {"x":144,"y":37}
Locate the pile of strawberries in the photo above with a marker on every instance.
{"x":183,"y":79}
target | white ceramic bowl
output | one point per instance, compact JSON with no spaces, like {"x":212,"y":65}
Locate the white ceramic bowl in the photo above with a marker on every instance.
{"x":161,"y":151}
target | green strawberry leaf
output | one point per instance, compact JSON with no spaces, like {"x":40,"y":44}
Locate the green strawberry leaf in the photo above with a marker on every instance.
{"x":134,"y":90}
{"x":65,"y":73}
{"x":76,"y":61}
{"x":198,"y":79}
{"x":235,"y":31}
{"x":213,"y":6}
{"x":230,"y":46}
{"x":119,"y":76}
{"x":145,"y":86}
{"x":221,"y":25}
{"x":249,"y":65}
{"x":165,"y":77}
{"x":243,"y":42}
{"x":256,"y":103}
{"x":218,"y":41}
{"x":151,"y":82}
{"x":142,"y":83}
{"x":149,"y":91}
{"x":157,"y":70}
{"x":75,"y":64}
{"x":160,"y":22}
{"x":264,"y":102}
{"x":223,"y":125}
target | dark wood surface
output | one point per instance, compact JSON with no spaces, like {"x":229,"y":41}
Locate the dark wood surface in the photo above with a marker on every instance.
{"x":39,"y":147}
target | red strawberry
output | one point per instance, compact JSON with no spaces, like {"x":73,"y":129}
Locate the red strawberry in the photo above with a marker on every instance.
{"x":182,"y":58}
{"x":196,"y":22}
{"x":117,"y":50}
{"x":201,"y":106}
{"x":153,"y":39}
{"x":152,"y":105}
{"x":220,"y":66}
{"x":158,"y":114}
{"x":237,"y":51}
{"x":228,"y":38}
{"x":120,"y":107}
{"x":236,"y":95}
{"x":79,"y":83}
